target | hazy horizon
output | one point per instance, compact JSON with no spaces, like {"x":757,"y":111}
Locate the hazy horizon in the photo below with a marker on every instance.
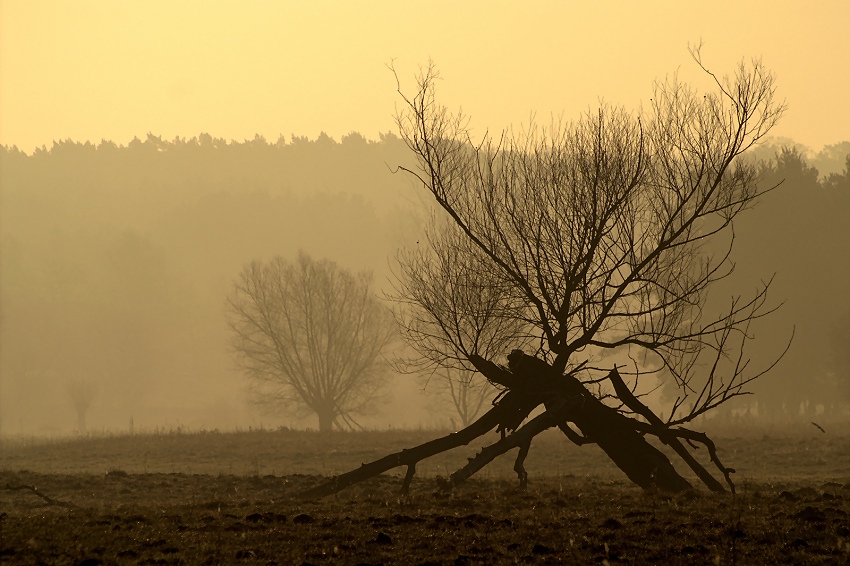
{"x":116,"y":265}
{"x":92,"y":70}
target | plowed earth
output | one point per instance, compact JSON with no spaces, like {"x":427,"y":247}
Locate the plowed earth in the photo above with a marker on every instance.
{"x":791,"y":505}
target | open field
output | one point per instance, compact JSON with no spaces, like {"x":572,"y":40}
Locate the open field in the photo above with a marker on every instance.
{"x":215,"y":498}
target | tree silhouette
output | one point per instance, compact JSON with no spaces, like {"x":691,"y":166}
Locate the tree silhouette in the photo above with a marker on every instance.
{"x":577,"y":241}
{"x":311,"y":334}
{"x":82,"y":393}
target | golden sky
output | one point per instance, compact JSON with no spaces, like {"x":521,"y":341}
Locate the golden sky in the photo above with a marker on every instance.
{"x":89,"y":69}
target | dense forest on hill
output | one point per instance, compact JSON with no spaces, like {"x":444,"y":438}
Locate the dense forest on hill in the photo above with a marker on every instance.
{"x":115,"y":262}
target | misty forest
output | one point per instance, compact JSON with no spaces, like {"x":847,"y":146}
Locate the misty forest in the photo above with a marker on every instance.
{"x":117,"y":262}
{"x":623,"y":304}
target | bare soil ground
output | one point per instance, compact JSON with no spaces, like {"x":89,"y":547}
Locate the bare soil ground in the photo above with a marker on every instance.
{"x":231,"y":499}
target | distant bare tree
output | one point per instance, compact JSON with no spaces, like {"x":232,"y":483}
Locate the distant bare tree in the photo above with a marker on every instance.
{"x":579,"y":240}
{"x":82,"y":393}
{"x":311,"y":334}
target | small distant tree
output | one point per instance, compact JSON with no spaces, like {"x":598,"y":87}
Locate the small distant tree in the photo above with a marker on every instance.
{"x":310,"y":334}
{"x":82,"y":393}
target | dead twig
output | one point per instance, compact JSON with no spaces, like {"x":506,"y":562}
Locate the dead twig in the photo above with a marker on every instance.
{"x":49,"y":500}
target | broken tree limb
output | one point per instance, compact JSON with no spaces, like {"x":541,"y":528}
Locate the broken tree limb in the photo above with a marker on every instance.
{"x":49,"y":500}
{"x":555,"y":415}
{"x":519,"y":464}
{"x":628,"y":398}
{"x":644,"y":464}
{"x":494,"y":418}
{"x":520,"y":438}
{"x":693,"y":436}
{"x":528,"y":394}
{"x":659,"y":429}
{"x":572,"y":435}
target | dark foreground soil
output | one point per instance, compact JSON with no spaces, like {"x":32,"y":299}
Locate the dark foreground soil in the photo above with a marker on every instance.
{"x":121,"y":518}
{"x":231,"y":499}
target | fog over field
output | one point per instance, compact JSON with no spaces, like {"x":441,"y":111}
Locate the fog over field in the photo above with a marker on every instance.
{"x":148,"y":155}
{"x":118,"y":274}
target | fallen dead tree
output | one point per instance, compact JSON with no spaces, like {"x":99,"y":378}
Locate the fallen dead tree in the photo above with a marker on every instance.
{"x":566,"y":400}
{"x":579,"y":242}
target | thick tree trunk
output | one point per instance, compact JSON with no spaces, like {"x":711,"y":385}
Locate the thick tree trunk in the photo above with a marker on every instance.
{"x":626,"y":396}
{"x":81,"y":418}
{"x":644,"y":464}
{"x":326,"y":420}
